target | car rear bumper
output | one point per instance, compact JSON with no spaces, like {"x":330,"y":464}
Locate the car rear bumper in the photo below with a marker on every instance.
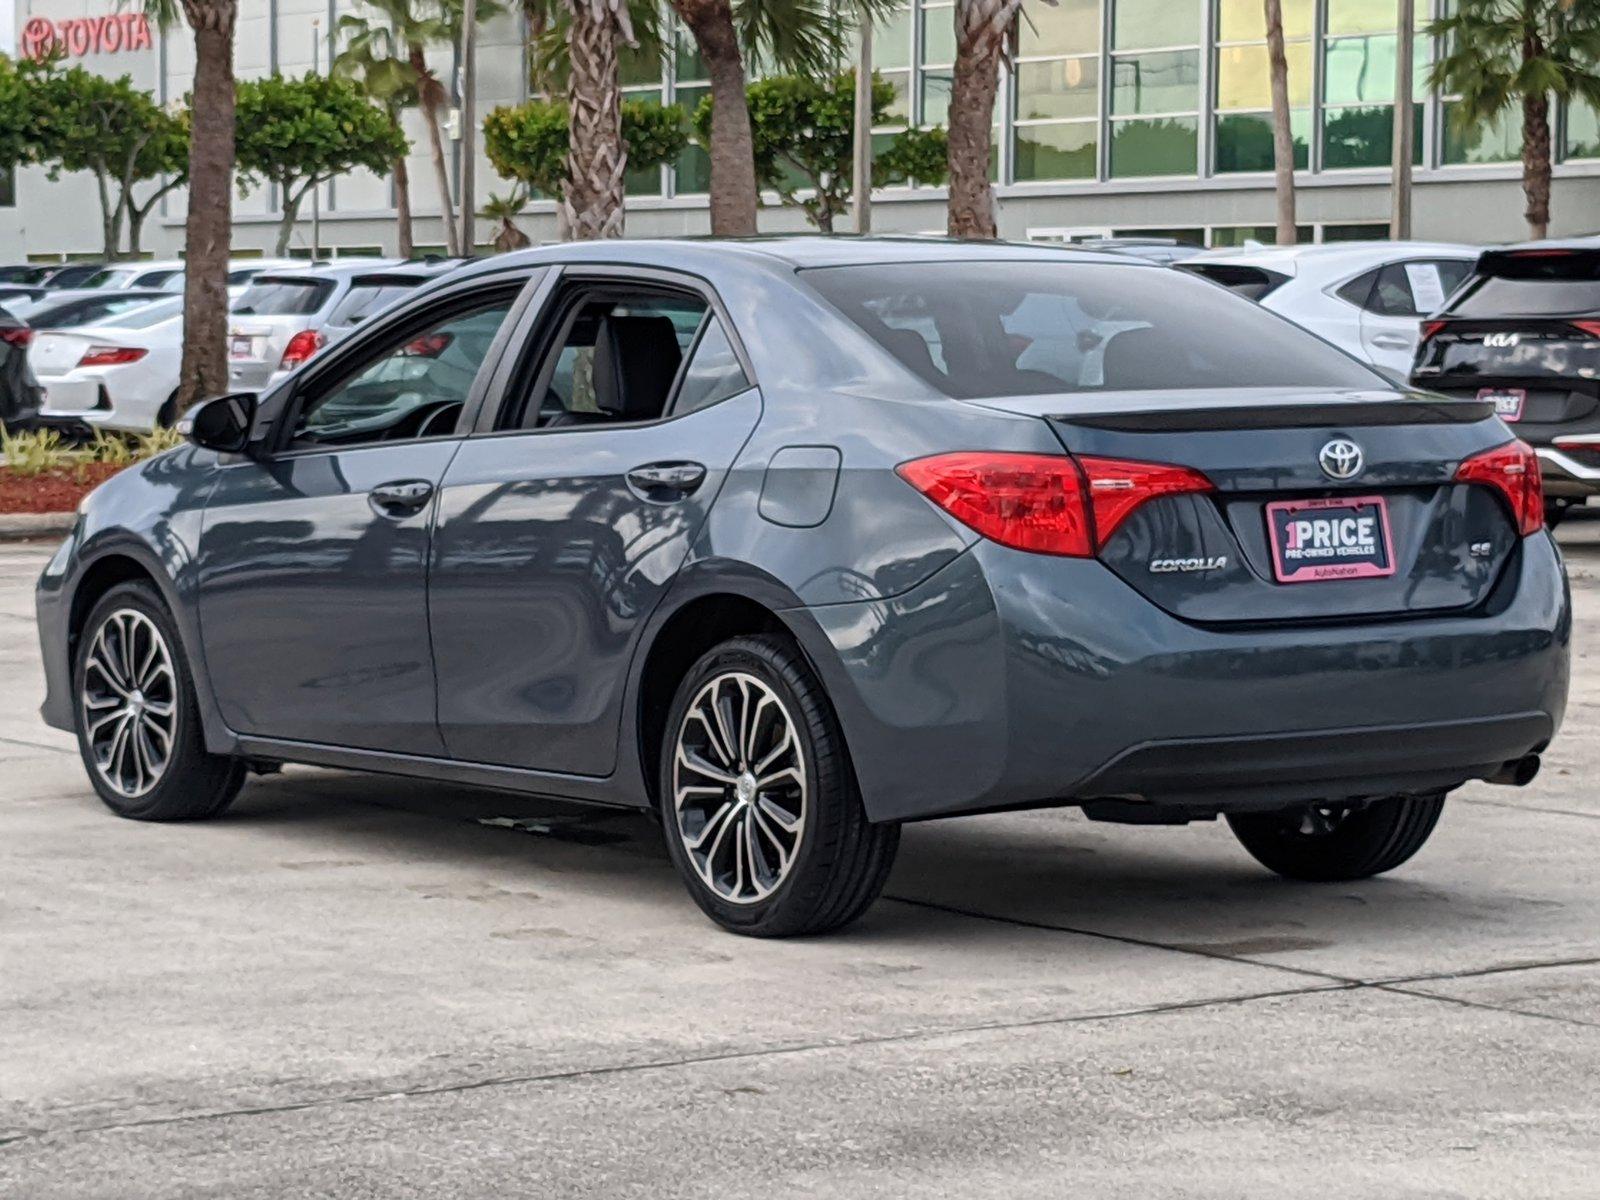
{"x":1010,"y":680}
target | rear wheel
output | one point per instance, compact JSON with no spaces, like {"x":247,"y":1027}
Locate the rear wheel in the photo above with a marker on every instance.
{"x":759,"y":802}
{"x":138,"y":723}
{"x":1331,"y":842}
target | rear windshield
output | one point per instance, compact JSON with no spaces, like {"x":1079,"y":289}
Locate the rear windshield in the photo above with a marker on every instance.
{"x":107,"y":278}
{"x":364,"y":299}
{"x":1532,"y":283}
{"x":283,"y":297}
{"x":1028,"y":328}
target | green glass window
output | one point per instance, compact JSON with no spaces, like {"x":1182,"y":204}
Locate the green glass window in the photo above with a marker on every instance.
{"x":1246,"y":20}
{"x":1158,"y":146}
{"x":936,"y":87}
{"x":1167,"y":82}
{"x":635,"y":66}
{"x":1359,"y":70}
{"x":1244,"y":77}
{"x":1137,"y":24}
{"x":1244,"y":140}
{"x":1364,"y":231}
{"x":900,"y":108}
{"x":1064,"y":87}
{"x":891,"y":41}
{"x":692,"y":171}
{"x":1065,"y":151}
{"x":1366,"y":16}
{"x":686,"y":57}
{"x":1267,"y":235}
{"x":1499,"y":140}
{"x":1583,"y":131}
{"x":1363,"y":136}
{"x":938,"y":35}
{"x":1071,"y":27}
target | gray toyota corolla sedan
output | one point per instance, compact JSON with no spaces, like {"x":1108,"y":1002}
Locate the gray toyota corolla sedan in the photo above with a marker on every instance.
{"x":791,"y":541}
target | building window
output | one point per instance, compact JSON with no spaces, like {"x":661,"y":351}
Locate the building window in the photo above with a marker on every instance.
{"x":1244,"y":84}
{"x":1155,"y":87}
{"x":1358,"y":67}
{"x":1494,"y":141}
{"x":1582,"y":131}
{"x":1056,"y":131}
{"x":639,"y":73}
{"x":692,"y":171}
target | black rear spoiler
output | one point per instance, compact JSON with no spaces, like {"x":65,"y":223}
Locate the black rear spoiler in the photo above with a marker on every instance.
{"x":1419,"y":411}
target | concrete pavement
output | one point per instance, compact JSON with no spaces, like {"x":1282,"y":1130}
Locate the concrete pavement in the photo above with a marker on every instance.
{"x":355,"y":987}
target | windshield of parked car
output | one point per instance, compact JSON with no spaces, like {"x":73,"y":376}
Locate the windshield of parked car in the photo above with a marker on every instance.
{"x":1030,"y":328}
{"x":283,"y":297}
{"x":110,"y":277}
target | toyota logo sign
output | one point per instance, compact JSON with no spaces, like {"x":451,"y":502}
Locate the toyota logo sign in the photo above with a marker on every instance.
{"x":1340,"y":459}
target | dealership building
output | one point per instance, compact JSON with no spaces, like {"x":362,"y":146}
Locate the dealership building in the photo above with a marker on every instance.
{"x":1117,"y":116}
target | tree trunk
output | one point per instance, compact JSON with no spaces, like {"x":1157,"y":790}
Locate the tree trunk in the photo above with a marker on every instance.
{"x":402,"y":207}
{"x":209,"y":226}
{"x":135,"y":230}
{"x":1536,"y":163}
{"x":981,"y":30}
{"x":597,"y":158}
{"x":110,"y":219}
{"x":428,"y":94}
{"x":734,"y":195}
{"x":1282,"y":134}
{"x":291,"y":214}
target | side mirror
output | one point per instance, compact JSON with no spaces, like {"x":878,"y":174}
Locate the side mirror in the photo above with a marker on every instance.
{"x":222,"y":423}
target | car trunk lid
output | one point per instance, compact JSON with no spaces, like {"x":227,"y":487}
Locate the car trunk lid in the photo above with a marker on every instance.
{"x":1280,"y":538}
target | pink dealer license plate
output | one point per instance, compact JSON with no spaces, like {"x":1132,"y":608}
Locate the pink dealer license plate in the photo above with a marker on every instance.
{"x":1337,"y":538}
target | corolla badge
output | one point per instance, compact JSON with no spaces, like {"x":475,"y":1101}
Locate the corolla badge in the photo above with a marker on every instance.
{"x":1341,"y":459}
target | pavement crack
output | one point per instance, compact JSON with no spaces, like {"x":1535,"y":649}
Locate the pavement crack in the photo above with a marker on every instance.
{"x":11,"y":741}
{"x":1485,"y":1006}
{"x":14,"y":1138}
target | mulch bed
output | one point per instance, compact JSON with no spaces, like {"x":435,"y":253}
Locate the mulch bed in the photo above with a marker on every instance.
{"x":53,"y":491}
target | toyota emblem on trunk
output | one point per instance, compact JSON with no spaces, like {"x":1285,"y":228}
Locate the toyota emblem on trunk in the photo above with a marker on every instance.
{"x":1340,"y":459}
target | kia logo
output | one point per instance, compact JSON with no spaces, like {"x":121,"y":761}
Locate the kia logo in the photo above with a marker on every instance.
{"x":1501,"y":341}
{"x":1340,"y":459}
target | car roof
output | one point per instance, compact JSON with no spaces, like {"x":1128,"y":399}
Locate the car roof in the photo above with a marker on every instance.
{"x":1587,"y":242}
{"x":799,"y":252}
{"x":1327,"y":259}
{"x":62,"y":297}
{"x":333,"y":272}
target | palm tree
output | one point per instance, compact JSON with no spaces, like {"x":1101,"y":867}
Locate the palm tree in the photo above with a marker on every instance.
{"x":400,"y":34}
{"x":805,"y":36}
{"x":1282,"y":133}
{"x":983,"y":31}
{"x":208,"y":227}
{"x":377,"y":59}
{"x":597,"y":158}
{"x":1502,"y":53}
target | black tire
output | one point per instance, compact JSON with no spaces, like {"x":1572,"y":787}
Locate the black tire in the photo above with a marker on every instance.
{"x":1357,"y":845}
{"x":193,"y":784}
{"x":842,"y":860}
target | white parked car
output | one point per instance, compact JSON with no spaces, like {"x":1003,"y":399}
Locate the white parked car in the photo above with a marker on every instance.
{"x":166,"y":275}
{"x":277,"y":322}
{"x":118,"y":373}
{"x":1367,"y":298}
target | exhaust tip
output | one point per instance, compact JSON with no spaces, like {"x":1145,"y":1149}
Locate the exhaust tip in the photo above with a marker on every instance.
{"x":1519,"y":772}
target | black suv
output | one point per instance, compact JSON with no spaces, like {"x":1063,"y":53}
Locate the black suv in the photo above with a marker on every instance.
{"x":1524,"y":333}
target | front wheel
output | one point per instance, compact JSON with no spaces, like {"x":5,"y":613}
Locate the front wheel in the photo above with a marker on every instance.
{"x":138,"y":722}
{"x":760,"y":807}
{"x":1327,"y":843}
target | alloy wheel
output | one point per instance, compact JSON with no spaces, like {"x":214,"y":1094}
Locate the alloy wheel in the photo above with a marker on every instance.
{"x":129,"y":703}
{"x":739,"y":788}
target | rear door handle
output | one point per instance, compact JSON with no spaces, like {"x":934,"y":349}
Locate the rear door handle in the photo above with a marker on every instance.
{"x":401,"y":497}
{"x":666,"y":481}
{"x":1391,"y":341}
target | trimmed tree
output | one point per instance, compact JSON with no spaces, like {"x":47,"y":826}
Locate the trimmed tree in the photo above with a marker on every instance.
{"x":529,"y":144}
{"x":1507,"y":54}
{"x":802,"y":136}
{"x":300,"y":133}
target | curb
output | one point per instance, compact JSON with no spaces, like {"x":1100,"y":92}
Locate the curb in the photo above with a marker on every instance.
{"x":19,"y":526}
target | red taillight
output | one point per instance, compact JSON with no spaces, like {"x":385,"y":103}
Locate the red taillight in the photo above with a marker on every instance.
{"x":16,"y":337}
{"x":1429,"y":328}
{"x":1592,"y":328}
{"x":1044,"y":503}
{"x":429,"y":345}
{"x":111,"y":356}
{"x":301,"y":347}
{"x":1513,"y":469}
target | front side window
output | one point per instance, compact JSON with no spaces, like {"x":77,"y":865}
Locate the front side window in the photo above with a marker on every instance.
{"x":974,"y":329}
{"x":413,"y":389}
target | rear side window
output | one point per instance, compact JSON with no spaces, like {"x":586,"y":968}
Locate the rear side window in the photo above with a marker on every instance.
{"x":974,"y":329}
{"x":154,"y":279}
{"x":713,"y":372}
{"x":283,"y":297}
{"x":365,"y":299}
{"x":1250,"y":282}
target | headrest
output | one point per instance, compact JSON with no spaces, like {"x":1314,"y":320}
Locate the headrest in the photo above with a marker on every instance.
{"x":635,"y":361}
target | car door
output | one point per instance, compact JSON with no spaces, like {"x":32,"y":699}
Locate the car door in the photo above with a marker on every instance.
{"x":312,"y":561}
{"x":1402,"y":294}
{"x":562,"y":527}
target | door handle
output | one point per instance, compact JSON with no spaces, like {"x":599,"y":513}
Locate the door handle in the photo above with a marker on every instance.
{"x":666,"y":481}
{"x":1391,"y":341}
{"x":401,"y":497}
